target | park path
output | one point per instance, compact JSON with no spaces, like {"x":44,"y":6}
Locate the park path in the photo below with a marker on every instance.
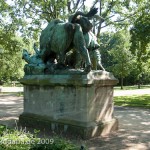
{"x":11,"y":107}
{"x":116,"y":92}
{"x":133,"y":134}
{"x":131,"y":92}
{"x":11,"y":89}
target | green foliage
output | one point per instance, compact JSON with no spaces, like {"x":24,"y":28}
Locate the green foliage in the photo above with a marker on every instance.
{"x":140,"y":36}
{"x":115,"y":50}
{"x":27,"y":18}
{"x":117,"y":14}
{"x":105,"y":47}
{"x":10,"y":57}
{"x":134,"y":101}
{"x":140,"y":32}
{"x":10,"y":44}
{"x":140,"y":40}
{"x":122,"y":57}
{"x":22,"y":140}
{"x":2,"y":129}
{"x":115,"y":53}
{"x":59,"y":144}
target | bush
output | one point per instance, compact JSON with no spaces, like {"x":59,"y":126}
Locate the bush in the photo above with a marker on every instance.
{"x":21,"y":140}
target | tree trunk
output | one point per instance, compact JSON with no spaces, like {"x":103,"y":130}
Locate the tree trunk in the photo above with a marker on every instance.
{"x":100,"y":23}
{"x":139,"y":85}
{"x":122,"y":83}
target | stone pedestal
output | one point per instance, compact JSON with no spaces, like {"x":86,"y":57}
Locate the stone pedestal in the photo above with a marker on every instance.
{"x":77,"y":104}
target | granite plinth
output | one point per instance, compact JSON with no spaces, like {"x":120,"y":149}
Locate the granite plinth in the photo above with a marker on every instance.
{"x":78,"y":104}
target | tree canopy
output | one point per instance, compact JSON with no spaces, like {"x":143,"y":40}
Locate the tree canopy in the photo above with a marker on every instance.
{"x":21,"y":22}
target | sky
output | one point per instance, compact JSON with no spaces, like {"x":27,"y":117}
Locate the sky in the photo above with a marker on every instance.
{"x":88,"y":3}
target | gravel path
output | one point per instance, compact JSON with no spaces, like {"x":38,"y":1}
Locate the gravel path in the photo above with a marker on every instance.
{"x":10,"y":108}
{"x":116,"y":92}
{"x":131,"y":92}
{"x":133,"y":134}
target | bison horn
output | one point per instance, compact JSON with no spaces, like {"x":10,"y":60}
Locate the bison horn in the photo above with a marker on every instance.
{"x":90,"y":14}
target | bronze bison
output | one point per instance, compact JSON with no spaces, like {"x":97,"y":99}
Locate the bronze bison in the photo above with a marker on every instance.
{"x":60,"y":37}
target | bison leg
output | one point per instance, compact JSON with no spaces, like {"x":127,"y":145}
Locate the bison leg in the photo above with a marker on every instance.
{"x":79,"y":44}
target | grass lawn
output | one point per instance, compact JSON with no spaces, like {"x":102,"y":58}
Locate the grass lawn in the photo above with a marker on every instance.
{"x":133,"y":101}
{"x":134,"y":87}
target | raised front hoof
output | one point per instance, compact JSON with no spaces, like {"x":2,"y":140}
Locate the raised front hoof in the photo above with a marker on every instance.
{"x":100,"y":67}
{"x":87,"y":69}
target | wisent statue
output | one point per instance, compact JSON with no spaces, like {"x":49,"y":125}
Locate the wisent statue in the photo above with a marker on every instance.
{"x":61,"y":42}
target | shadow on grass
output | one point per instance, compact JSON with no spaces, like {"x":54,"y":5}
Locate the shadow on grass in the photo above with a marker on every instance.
{"x":133,"y":101}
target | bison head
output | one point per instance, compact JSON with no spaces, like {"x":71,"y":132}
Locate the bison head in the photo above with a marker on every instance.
{"x":83,"y":19}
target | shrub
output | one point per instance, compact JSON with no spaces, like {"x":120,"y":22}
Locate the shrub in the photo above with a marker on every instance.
{"x":21,"y":140}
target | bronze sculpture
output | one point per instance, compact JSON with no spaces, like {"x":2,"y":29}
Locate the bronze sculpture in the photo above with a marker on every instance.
{"x":60,"y":37}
